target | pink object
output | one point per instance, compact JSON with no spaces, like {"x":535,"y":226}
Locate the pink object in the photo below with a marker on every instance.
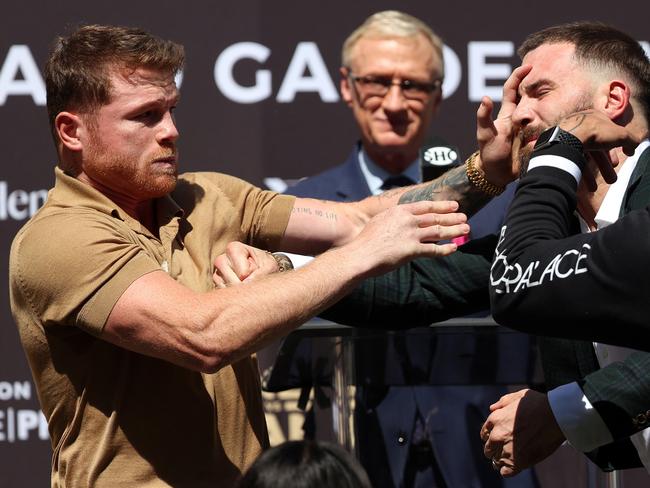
{"x":459,"y":241}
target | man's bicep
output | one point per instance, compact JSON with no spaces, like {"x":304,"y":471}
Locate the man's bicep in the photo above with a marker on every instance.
{"x":74,"y":278}
{"x":154,"y":317}
{"x":316,"y":225}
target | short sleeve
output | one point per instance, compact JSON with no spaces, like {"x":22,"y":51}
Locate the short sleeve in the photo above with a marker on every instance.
{"x":70,"y":268}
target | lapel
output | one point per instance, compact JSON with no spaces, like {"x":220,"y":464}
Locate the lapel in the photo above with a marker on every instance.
{"x":352,"y":185}
{"x":637,"y":194}
{"x":620,"y":454}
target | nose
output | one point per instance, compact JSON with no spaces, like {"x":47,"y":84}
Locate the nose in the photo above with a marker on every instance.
{"x":168,"y":131}
{"x":523,"y":113}
{"x":394,"y":100}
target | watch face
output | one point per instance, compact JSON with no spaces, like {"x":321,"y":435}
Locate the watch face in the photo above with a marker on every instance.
{"x":547,"y":137}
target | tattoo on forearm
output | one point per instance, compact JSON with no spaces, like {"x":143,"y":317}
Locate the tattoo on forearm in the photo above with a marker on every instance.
{"x":323,"y":214}
{"x":453,"y":185}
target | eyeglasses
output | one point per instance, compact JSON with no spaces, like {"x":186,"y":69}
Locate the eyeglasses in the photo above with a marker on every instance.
{"x":378,"y":86}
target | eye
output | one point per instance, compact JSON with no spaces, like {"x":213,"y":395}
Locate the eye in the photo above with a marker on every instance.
{"x":147,"y":114}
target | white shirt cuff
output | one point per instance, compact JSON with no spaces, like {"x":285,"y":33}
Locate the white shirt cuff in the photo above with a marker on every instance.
{"x":580,"y":422}
{"x":556,"y":162}
{"x":298,"y":260}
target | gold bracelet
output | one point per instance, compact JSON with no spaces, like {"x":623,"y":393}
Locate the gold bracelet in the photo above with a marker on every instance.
{"x":477,"y":177}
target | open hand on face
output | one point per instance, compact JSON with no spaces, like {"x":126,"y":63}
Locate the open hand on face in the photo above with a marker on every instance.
{"x":520,"y":432}
{"x":601,"y":137}
{"x":496,"y":137}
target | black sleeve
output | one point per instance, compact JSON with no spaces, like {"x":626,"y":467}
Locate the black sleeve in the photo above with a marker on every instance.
{"x":422,"y":292}
{"x":546,"y":281}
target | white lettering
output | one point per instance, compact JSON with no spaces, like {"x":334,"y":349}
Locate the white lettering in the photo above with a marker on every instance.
{"x":19,"y":204}
{"x":646,"y":46}
{"x":19,"y":59}
{"x":479,"y":71}
{"x":26,"y":420}
{"x":440,"y":155}
{"x":453,"y":72}
{"x":18,"y":390}
{"x":307,"y":57}
{"x":223,"y":73}
{"x":11,"y":429}
{"x":549,"y":270}
{"x":584,"y":255}
{"x":20,"y":425}
{"x":570,"y":270}
{"x":29,"y":420}
{"x":525,"y":279}
{"x":178,"y":78}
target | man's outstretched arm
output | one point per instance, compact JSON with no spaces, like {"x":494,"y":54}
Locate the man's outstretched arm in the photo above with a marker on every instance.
{"x":159,"y":317}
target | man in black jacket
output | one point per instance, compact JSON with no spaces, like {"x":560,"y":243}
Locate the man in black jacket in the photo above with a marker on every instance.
{"x":586,"y":285}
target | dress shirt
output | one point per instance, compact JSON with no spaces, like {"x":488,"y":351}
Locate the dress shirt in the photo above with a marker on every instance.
{"x":375,"y":175}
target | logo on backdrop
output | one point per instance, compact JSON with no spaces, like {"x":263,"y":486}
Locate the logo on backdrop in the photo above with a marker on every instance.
{"x":307,"y":72}
{"x":19,"y":204}
{"x":18,"y":424}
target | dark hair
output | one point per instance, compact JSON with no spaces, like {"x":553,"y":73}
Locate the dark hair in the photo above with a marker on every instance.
{"x":600,"y":46}
{"x":305,"y":464}
{"x":77,"y":73}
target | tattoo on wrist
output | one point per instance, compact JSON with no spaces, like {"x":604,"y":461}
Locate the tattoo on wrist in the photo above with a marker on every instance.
{"x":322,"y":214}
{"x":453,"y":185}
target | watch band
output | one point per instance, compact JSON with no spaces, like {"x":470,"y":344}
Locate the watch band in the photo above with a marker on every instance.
{"x":557,"y":135}
{"x":284,"y":263}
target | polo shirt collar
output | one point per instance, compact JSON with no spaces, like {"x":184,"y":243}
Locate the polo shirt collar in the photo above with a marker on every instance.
{"x":69,"y":191}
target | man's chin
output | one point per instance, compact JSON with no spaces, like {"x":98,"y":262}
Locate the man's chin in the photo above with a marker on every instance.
{"x":393,"y":141}
{"x":162,"y":185}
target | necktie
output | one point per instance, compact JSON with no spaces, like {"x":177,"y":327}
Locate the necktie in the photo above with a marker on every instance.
{"x":396,"y":181}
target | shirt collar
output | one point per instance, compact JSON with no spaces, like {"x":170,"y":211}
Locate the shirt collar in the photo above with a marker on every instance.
{"x":610,"y":209}
{"x":375,"y":175}
{"x":69,"y":191}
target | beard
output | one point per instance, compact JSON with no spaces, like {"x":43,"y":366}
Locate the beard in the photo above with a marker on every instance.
{"x":142,"y":179}
{"x":523,"y":152}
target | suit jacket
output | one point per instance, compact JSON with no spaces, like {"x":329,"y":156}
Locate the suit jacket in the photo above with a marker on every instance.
{"x":346,"y":183}
{"x":565,"y":361}
{"x":388,"y":366}
{"x":430,"y":290}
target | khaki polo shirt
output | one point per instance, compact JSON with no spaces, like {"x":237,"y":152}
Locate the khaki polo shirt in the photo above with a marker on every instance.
{"x":118,"y":418}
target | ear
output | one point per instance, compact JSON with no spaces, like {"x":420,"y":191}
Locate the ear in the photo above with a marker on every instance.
{"x":616,"y":98}
{"x":69,"y":127}
{"x":346,"y":89}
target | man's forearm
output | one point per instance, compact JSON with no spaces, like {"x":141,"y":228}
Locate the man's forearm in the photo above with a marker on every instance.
{"x":453,"y":185}
{"x":421,"y":293}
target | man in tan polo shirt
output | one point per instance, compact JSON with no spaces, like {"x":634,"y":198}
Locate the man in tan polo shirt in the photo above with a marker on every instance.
{"x":143,"y":368}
